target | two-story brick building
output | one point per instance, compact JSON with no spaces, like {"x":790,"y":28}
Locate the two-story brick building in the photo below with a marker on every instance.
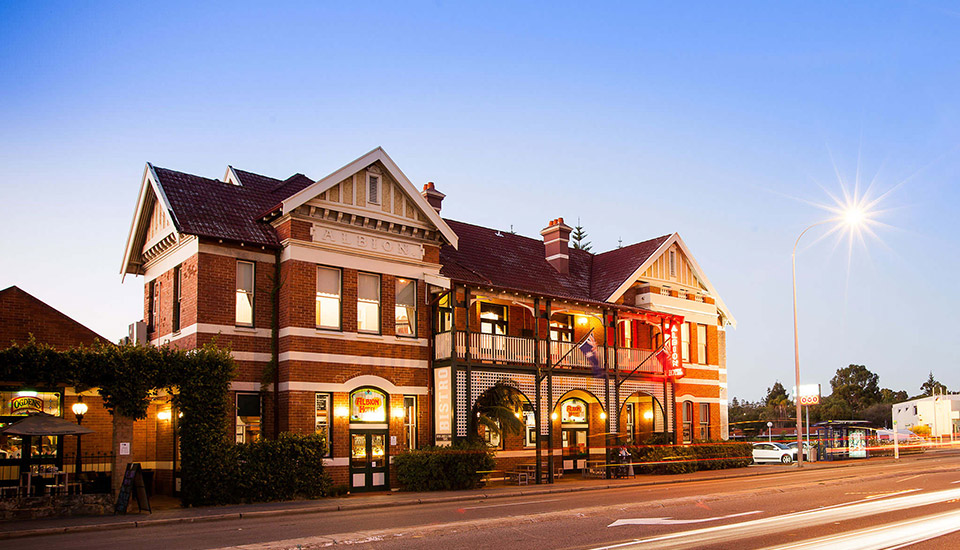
{"x":354,"y":309}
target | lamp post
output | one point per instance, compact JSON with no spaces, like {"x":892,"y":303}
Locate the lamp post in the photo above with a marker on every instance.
{"x":79,"y":408}
{"x":853,"y":217}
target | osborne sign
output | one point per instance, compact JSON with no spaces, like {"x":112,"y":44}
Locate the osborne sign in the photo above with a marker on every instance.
{"x":809,"y":394}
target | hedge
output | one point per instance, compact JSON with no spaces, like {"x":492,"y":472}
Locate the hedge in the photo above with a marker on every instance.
{"x":682,"y":459}
{"x":460,"y":466}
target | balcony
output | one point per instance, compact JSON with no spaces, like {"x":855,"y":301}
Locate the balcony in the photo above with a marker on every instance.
{"x":511,"y":350}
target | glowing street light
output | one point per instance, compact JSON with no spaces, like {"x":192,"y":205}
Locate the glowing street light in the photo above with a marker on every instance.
{"x":854,"y":216}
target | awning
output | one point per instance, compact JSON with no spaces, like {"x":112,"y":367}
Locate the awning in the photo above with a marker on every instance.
{"x":44,"y":424}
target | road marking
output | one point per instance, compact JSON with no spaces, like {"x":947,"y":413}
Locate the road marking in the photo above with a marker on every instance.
{"x":509,"y":504}
{"x":893,"y":535}
{"x":671,"y":521}
{"x":797,"y":520}
{"x":908,"y":478}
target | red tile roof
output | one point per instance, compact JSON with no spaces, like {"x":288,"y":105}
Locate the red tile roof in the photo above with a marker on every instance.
{"x":505,"y":260}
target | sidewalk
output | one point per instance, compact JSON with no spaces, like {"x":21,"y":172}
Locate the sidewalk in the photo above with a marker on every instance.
{"x":172,"y":514}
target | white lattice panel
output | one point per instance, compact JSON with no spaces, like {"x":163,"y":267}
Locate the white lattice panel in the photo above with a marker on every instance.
{"x":563,"y":384}
{"x":652,"y":388}
{"x":461,"y":404}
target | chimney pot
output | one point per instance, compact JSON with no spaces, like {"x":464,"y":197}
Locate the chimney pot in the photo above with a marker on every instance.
{"x":556,"y":237}
{"x":434,"y":197}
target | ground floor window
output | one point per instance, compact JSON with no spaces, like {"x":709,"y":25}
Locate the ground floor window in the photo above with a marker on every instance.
{"x":410,"y":420}
{"x":704,"y":421}
{"x":687,"y":422}
{"x":14,"y":406}
{"x":324,"y":402}
{"x":530,"y":426}
{"x":248,"y":417}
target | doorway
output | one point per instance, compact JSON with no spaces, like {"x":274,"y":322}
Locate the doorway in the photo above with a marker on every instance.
{"x":575,"y":449}
{"x":368,"y":461}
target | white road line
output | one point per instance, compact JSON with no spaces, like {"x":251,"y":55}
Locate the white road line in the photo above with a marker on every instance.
{"x":890,"y":536}
{"x":671,"y":521}
{"x":524,"y":503}
{"x":908,"y":478}
{"x":796,"y":520}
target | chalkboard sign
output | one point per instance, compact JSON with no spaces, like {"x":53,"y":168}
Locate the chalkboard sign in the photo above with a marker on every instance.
{"x":132,"y":480}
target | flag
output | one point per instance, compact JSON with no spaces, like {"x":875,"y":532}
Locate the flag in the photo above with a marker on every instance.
{"x":589,"y":349}
{"x":664,"y":359}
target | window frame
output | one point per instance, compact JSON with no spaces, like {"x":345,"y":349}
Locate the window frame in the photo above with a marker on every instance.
{"x":152,"y":287}
{"x":527,"y":410}
{"x":329,"y":421}
{"x":317,"y":325}
{"x":379,"y":303}
{"x":236,"y":416}
{"x":561,"y":330}
{"x":412,"y":320}
{"x":252,"y":293}
{"x":500,"y":321}
{"x":685,"y":342}
{"x":687,"y":421}
{"x":630,"y":416}
{"x":704,"y":421}
{"x":444,"y":315}
{"x":177,"y":294}
{"x":410,"y":424}
{"x":375,"y":180}
{"x":701,"y":344}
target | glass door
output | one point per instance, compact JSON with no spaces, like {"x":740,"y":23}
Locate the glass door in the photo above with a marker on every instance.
{"x":575,"y":451}
{"x":368,"y":461}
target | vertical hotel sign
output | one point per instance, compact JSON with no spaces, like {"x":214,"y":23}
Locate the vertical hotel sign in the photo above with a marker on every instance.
{"x":671,"y":335}
{"x":443,"y":413}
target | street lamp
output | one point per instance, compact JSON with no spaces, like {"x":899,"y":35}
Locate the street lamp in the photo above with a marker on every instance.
{"x":853,"y":217}
{"x":79,"y":408}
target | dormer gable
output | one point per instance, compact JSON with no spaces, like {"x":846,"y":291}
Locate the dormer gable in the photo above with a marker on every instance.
{"x":154,"y":226}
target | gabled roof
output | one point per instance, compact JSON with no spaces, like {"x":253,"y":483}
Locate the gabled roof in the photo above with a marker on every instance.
{"x":23,"y":315}
{"x":612,"y":268}
{"x":303,"y":195}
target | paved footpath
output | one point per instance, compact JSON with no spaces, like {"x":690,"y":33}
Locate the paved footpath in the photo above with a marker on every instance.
{"x":25,"y":528}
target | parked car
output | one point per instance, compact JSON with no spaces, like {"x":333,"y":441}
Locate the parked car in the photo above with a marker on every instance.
{"x":773,"y":452}
{"x":806,"y":446}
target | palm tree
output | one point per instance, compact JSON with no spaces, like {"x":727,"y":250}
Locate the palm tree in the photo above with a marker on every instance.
{"x":498,"y":410}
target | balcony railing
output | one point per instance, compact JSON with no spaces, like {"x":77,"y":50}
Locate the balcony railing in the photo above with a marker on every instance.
{"x":496,"y":348}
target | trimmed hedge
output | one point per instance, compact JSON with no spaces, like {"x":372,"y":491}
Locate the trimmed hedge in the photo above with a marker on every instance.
{"x":460,"y":466}
{"x":285,"y":468}
{"x":682,"y":459}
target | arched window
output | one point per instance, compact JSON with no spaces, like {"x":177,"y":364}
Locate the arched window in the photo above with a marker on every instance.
{"x":368,"y":405}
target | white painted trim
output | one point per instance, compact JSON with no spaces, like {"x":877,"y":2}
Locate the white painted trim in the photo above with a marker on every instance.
{"x":352,"y":336}
{"x":692,"y":398}
{"x":353,"y":359}
{"x":558,"y":256}
{"x":183,"y":251}
{"x":515,"y":454}
{"x":442,"y":282}
{"x":356,"y":382}
{"x":149,"y":179}
{"x":259,"y":357}
{"x":248,"y":255}
{"x":247,"y":386}
{"x":339,"y":461}
{"x":359,"y":164}
{"x":698,"y":381}
{"x":233,"y":331}
{"x":313,"y":253}
{"x":173,"y":337}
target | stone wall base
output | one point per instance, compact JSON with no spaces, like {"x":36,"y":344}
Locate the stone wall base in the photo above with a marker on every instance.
{"x":22,"y":508}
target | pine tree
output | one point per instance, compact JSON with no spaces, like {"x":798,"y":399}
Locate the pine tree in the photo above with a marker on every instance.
{"x":578,"y":237}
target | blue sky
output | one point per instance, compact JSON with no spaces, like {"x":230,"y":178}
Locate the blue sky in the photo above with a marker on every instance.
{"x":721,"y":122}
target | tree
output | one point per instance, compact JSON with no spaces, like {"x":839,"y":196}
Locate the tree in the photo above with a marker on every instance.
{"x":889,"y":396}
{"x":777,"y":402}
{"x":931,"y":386}
{"x":578,"y":236}
{"x":499,"y":410}
{"x":856,"y":387}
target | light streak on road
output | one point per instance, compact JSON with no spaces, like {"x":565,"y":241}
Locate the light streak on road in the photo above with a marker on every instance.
{"x":797,"y":520}
{"x":671,"y":521}
{"x":893,"y":535}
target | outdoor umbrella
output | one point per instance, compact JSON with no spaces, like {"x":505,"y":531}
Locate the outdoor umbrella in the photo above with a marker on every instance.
{"x":44,"y":424}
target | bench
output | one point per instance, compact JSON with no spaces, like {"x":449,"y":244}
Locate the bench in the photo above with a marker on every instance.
{"x":520,"y":477}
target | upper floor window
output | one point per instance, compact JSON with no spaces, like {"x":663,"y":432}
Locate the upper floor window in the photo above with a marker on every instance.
{"x":245,"y":278}
{"x":177,"y":278}
{"x":153,"y":291}
{"x":405,"y":314}
{"x":373,"y":189}
{"x":702,"y":344}
{"x":685,"y":342}
{"x":444,"y":315}
{"x":328,"y":297}
{"x":561,"y":328}
{"x":493,"y":318}
{"x":627,"y":335}
{"x":368,"y":302}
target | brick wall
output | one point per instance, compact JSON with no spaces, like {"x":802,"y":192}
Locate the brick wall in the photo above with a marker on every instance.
{"x":22,"y":315}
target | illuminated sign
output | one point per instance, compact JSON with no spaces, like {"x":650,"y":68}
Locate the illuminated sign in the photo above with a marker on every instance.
{"x":368,"y":406}
{"x":444,"y":409}
{"x":26,"y":404}
{"x":671,"y":336}
{"x":809,"y":394}
{"x":573,"y":411}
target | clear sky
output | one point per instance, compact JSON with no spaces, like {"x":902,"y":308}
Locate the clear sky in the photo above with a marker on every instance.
{"x":720,"y":121}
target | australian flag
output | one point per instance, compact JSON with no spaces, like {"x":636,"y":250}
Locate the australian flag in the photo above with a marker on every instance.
{"x":589,"y":349}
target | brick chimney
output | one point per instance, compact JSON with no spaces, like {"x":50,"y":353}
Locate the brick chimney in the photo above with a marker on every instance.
{"x":555,"y":239}
{"x":434,"y":197}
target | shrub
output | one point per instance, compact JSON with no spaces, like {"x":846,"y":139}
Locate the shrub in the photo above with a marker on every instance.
{"x":285,"y":468}
{"x":681,"y":459}
{"x":460,"y":466}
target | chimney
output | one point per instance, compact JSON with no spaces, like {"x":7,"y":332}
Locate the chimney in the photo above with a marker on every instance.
{"x":434,"y":197}
{"x":555,"y":239}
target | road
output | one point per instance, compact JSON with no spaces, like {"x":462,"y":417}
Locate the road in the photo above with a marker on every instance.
{"x":871,"y":505}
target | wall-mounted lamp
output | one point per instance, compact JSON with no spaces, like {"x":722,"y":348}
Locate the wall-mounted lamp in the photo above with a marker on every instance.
{"x":554,"y":416}
{"x":398,"y":412}
{"x":648,"y":415}
{"x":340,"y":412}
{"x":164,"y":415}
{"x":581,"y":320}
{"x":603,"y":415}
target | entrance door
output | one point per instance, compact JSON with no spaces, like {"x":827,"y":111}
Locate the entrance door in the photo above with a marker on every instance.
{"x":575,"y":451}
{"x":368,"y":461}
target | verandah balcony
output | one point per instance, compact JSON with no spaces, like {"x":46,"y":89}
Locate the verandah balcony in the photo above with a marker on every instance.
{"x":512,"y":350}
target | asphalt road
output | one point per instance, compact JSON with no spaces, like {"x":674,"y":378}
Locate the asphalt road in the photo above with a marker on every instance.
{"x":872,"y":505}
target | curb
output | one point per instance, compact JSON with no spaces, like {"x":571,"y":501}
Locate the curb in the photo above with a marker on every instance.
{"x":112,"y":526}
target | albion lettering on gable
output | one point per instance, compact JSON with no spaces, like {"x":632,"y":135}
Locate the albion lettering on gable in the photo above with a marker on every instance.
{"x":359,"y":241}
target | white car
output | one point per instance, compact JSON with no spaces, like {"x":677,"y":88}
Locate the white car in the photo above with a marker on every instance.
{"x":773,"y":452}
